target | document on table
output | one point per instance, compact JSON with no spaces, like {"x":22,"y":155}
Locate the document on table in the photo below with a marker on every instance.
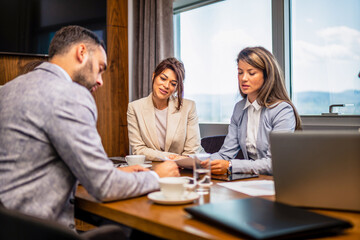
{"x":252,"y":188}
{"x":185,"y":162}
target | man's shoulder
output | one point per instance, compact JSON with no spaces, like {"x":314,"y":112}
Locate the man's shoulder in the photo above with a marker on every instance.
{"x":59,"y":82}
{"x":49,"y":83}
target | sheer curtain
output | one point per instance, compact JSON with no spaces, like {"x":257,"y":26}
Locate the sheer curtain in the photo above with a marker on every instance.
{"x":152,"y":42}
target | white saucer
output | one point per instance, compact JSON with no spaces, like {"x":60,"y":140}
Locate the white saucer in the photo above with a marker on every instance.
{"x":143,"y":165}
{"x":159,"y":198}
{"x":146,"y":165}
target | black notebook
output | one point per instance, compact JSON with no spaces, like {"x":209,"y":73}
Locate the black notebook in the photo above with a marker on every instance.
{"x":258,"y":218}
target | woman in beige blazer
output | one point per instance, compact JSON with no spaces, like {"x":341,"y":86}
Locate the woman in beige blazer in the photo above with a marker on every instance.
{"x":163,"y":123}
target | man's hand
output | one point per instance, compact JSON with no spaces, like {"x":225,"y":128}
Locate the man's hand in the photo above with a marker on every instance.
{"x":167,"y":169}
{"x":134,"y":168}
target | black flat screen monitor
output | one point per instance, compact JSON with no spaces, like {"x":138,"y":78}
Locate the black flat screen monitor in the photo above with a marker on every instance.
{"x":27,"y":26}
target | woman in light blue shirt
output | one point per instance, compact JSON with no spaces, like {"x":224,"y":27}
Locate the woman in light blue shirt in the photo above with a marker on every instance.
{"x":265,"y":107}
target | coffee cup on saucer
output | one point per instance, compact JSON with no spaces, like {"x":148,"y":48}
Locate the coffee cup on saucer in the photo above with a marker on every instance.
{"x":135,"y":159}
{"x":173,"y":188}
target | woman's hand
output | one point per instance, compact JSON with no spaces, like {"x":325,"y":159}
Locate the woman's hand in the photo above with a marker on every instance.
{"x":134,"y":168}
{"x":218,"y":166}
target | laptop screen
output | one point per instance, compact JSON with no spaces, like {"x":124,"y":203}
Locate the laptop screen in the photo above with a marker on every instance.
{"x":317,"y":168}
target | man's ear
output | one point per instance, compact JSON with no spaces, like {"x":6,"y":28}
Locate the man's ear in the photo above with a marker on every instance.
{"x":82,"y":53}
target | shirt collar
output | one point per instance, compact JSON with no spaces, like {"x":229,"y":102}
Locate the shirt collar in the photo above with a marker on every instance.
{"x":254,"y":104}
{"x":67,"y":76}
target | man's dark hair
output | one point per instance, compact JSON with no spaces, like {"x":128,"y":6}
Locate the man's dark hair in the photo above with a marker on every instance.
{"x":67,"y":36}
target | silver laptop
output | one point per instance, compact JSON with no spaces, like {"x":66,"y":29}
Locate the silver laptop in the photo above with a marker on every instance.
{"x":319,"y":169}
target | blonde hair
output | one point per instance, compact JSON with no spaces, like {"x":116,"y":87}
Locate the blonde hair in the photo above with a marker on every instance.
{"x":273,"y":90}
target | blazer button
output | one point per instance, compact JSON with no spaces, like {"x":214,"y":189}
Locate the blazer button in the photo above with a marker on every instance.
{"x":72,"y":200}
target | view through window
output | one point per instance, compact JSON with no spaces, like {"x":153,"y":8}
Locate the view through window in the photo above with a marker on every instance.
{"x":326,"y":56}
{"x":324,"y":46}
{"x":210,"y":39}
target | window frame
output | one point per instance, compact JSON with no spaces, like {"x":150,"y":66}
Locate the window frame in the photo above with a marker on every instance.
{"x":281,"y":43}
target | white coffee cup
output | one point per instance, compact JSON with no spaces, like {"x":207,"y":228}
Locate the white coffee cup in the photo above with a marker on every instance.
{"x":135,"y":159}
{"x":173,"y":188}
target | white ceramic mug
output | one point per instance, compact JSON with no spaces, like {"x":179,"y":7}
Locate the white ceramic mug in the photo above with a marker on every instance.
{"x":173,"y":188}
{"x":135,"y":159}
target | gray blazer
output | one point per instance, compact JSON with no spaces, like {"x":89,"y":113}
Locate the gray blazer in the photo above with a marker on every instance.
{"x":279,"y":118}
{"x":48,"y":141}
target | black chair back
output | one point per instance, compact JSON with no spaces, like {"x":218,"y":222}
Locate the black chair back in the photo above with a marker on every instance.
{"x":16,"y":225}
{"x":212,"y":144}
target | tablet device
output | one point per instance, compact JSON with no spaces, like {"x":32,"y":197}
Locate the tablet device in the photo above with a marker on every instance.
{"x":234,"y":176}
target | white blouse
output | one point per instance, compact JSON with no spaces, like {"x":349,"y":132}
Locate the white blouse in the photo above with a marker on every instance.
{"x":254,"y":111}
{"x":160,"y":123}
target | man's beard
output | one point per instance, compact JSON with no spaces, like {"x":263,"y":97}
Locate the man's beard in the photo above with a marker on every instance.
{"x":84,"y":76}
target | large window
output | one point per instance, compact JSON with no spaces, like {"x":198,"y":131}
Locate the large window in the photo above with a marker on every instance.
{"x":326,"y":56}
{"x":321,"y":63}
{"x":210,"y":39}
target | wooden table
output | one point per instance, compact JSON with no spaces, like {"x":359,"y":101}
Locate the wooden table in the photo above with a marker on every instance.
{"x":172,"y":222}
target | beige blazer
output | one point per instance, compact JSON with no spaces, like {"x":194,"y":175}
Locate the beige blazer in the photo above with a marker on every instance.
{"x":182,"y":133}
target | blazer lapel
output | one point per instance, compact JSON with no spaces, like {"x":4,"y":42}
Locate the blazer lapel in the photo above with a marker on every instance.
{"x":173,"y":121}
{"x":148,"y":114}
{"x":243,"y":132}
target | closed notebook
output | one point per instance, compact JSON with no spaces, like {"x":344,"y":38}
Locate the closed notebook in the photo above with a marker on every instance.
{"x":258,"y":218}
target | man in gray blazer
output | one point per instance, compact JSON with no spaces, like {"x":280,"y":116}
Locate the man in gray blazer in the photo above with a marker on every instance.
{"x":48,"y":135}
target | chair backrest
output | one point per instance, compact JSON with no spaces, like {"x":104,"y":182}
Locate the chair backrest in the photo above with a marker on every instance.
{"x":16,"y":225}
{"x":212,"y":144}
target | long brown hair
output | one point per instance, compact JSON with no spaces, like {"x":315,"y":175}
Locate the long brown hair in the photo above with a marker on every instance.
{"x":179,"y":70}
{"x":273,"y":90}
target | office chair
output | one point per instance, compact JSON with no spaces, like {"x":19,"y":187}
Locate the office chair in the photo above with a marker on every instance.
{"x":212,"y":144}
{"x":16,"y":225}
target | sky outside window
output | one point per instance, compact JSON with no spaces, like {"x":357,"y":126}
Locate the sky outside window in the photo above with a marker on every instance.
{"x":326,"y":55}
{"x":210,"y":38}
{"x":325,"y":51}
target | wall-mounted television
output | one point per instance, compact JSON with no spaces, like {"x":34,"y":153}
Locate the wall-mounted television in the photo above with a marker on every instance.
{"x":27,"y":26}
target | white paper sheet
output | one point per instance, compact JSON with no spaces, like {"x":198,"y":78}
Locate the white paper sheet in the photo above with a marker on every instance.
{"x":185,"y":162}
{"x":252,"y":188}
